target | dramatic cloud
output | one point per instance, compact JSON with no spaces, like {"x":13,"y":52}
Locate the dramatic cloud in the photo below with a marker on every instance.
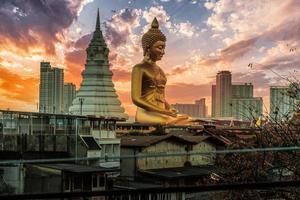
{"x":244,"y":18}
{"x":178,"y":70}
{"x":158,"y":12}
{"x":75,"y":59}
{"x":281,"y":63}
{"x":229,"y":54}
{"x":245,"y":33}
{"x":185,"y":29}
{"x":257,"y":78}
{"x":27,"y":24}
{"x":119,"y":27}
{"x":83,"y":42}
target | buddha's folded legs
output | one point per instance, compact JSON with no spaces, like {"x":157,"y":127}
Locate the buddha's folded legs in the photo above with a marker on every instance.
{"x":144,"y":116}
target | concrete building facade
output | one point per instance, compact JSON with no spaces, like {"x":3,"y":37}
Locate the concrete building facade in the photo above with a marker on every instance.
{"x":213,"y":100}
{"x":244,"y":105}
{"x":223,"y":94}
{"x":243,"y":90}
{"x":282,"y":105}
{"x":51,"y":89}
{"x":234,"y":99}
{"x":69,"y":95}
{"x":247,"y":108}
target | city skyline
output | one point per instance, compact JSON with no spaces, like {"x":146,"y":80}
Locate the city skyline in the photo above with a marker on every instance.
{"x":214,"y":36}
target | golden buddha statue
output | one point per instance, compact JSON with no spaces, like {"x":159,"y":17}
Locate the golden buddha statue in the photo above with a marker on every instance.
{"x":149,"y":81}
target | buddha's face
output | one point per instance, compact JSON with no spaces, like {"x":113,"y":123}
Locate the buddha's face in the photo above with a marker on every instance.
{"x":157,"y":50}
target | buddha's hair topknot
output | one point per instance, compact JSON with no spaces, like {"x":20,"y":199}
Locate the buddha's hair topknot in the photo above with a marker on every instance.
{"x":153,"y":35}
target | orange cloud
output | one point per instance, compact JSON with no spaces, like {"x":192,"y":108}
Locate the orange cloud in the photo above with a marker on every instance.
{"x":15,"y":87}
{"x":74,"y":61}
{"x":121,"y":75}
{"x":125,"y":98}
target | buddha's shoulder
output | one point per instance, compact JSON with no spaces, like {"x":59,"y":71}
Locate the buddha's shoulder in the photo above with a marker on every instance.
{"x":141,"y":67}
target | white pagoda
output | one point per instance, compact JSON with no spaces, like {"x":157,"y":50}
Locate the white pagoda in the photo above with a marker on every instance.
{"x":96,"y":95}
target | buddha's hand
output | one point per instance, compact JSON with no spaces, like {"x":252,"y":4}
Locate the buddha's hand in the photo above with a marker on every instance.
{"x":171,"y":113}
{"x":174,"y":110}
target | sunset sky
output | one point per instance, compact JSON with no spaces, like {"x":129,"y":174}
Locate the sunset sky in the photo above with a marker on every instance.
{"x":203,"y":37}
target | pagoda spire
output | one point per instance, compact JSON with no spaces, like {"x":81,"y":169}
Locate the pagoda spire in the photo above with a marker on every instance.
{"x":97,"y":35}
{"x":97,"y":89}
{"x":98,"y":21}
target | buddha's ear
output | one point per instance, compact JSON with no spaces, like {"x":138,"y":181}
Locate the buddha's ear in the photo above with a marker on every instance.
{"x":147,"y":52}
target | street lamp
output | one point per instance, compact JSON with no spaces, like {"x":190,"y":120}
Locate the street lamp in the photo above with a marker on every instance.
{"x":81,"y":100}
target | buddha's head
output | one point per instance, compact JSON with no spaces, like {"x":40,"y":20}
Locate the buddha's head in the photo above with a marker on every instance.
{"x":154,"y":42}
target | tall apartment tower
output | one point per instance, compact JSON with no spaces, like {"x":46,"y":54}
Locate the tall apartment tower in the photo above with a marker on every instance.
{"x":69,"y":95}
{"x":213,"y":101}
{"x":242,"y":90}
{"x":247,"y":108}
{"x":96,"y":95}
{"x":282,"y":105}
{"x":51,"y":89}
{"x":223,"y":94}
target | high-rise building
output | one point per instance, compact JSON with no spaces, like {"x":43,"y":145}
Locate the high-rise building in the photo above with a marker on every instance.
{"x":194,"y":110}
{"x":51,"y":89}
{"x":244,"y":105}
{"x":282,"y":103}
{"x":202,"y":107}
{"x":213,"y":100}
{"x":223,"y":94}
{"x":247,"y":108}
{"x":96,"y":95}
{"x":242,"y":90}
{"x":234,"y":100}
{"x":69,"y":95}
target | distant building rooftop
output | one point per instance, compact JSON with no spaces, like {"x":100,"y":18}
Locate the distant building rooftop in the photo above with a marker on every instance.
{"x":145,"y":141}
{"x":183,"y":172}
{"x":75,"y":168}
{"x":60,"y":115}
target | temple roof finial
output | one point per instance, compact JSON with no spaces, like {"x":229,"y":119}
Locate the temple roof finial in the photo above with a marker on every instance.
{"x":98,"y":21}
